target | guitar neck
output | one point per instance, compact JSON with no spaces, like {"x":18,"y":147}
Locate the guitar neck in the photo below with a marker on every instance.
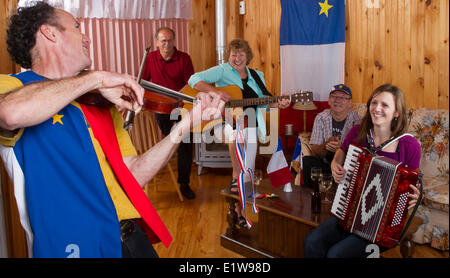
{"x":253,"y":101}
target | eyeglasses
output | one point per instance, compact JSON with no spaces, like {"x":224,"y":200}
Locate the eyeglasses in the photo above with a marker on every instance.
{"x":339,"y":97}
{"x":166,"y":41}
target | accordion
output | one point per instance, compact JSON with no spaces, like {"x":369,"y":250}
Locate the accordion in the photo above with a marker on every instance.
{"x":372,"y":200}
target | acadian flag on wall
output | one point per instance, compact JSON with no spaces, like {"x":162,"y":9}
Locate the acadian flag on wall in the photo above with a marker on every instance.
{"x":312,"y":46}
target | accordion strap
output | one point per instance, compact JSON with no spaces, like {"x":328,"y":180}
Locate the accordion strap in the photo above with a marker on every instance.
{"x":374,"y":149}
{"x":414,"y":210}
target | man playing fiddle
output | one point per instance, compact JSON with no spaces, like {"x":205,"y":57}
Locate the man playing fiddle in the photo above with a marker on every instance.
{"x":75,"y":163}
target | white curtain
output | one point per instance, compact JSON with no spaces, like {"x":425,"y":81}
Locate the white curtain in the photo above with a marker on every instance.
{"x":122,"y":9}
{"x":119,"y":44}
{"x":121,"y":30}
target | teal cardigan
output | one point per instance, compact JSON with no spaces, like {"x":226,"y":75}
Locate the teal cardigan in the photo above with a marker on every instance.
{"x":224,"y":75}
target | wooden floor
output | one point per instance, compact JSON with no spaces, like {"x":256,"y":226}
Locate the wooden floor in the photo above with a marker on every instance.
{"x":196,"y":225}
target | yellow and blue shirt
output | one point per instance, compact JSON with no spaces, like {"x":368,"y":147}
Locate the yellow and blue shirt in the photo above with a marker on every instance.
{"x":69,"y":200}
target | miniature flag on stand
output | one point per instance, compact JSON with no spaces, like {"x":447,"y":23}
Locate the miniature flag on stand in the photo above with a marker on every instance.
{"x":278,"y":169}
{"x":297,"y":163}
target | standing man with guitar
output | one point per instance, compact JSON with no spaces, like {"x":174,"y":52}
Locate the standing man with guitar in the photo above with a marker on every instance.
{"x":251,"y":82}
{"x":171,"y":68}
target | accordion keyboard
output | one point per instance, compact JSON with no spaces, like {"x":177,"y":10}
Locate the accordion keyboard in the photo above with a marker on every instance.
{"x":350,"y":165}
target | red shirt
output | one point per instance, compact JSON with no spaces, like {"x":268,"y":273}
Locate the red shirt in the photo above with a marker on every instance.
{"x":172,"y":74}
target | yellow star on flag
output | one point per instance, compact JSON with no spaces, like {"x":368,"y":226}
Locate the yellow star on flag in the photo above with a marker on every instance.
{"x":324,"y":7}
{"x":57,"y":119}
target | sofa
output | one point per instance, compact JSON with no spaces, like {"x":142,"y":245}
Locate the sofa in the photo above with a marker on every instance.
{"x":431,"y":128}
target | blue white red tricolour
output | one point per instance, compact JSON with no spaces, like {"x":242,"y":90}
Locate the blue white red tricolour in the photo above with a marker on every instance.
{"x":312,"y":46}
{"x":278,"y":169}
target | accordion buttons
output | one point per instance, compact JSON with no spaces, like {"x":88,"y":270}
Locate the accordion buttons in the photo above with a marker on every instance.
{"x":402,"y":201}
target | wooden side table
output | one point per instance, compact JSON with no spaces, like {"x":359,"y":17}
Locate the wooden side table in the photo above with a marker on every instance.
{"x":282,"y":224}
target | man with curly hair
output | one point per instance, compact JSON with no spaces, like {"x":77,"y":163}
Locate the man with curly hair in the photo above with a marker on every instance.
{"x":77,"y":177}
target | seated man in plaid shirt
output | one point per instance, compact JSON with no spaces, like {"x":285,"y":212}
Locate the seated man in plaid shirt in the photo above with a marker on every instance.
{"x":329,"y":131}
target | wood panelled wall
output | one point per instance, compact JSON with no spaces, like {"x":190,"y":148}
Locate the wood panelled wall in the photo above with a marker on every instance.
{"x":403,"y":42}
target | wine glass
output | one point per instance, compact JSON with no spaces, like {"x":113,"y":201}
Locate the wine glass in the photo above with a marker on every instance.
{"x":257,"y":176}
{"x":316,"y":174}
{"x":325,"y":185}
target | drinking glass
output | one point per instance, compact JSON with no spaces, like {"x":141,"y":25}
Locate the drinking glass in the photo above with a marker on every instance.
{"x":316,"y":174}
{"x":257,"y":176}
{"x":325,"y":185}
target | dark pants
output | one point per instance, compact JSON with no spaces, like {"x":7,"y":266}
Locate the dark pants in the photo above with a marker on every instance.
{"x":184,"y":150}
{"x":329,"y":240}
{"x":135,"y":243}
{"x":308,"y":163}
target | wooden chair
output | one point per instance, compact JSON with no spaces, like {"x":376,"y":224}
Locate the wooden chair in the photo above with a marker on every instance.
{"x":145,"y":135}
{"x":15,"y":234}
{"x":406,"y":247}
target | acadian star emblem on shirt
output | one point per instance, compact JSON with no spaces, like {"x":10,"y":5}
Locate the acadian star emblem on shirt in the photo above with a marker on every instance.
{"x":324,"y":7}
{"x":57,"y":119}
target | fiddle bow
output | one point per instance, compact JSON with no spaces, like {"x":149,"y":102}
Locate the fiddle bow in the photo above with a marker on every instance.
{"x":157,"y":98}
{"x":129,"y":117}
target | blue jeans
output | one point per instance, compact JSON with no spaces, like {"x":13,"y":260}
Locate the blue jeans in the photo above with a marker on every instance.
{"x":329,"y":240}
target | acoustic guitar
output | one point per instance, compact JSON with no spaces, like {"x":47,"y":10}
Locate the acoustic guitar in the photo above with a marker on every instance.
{"x":188,"y":95}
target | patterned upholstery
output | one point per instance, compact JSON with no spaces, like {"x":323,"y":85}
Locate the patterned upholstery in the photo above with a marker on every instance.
{"x":431,"y":128}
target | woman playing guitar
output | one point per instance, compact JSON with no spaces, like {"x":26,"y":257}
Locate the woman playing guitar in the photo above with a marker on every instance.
{"x":236,"y":72}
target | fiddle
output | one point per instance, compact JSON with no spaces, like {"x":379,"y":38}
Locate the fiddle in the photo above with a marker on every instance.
{"x":153,"y":102}
{"x":157,"y":99}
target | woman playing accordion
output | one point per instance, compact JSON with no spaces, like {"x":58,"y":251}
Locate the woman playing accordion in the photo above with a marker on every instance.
{"x":385,"y":119}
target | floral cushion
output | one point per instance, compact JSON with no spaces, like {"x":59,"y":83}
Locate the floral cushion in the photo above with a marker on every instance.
{"x":431,"y":128}
{"x":360,"y":108}
{"x":436,"y":192}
